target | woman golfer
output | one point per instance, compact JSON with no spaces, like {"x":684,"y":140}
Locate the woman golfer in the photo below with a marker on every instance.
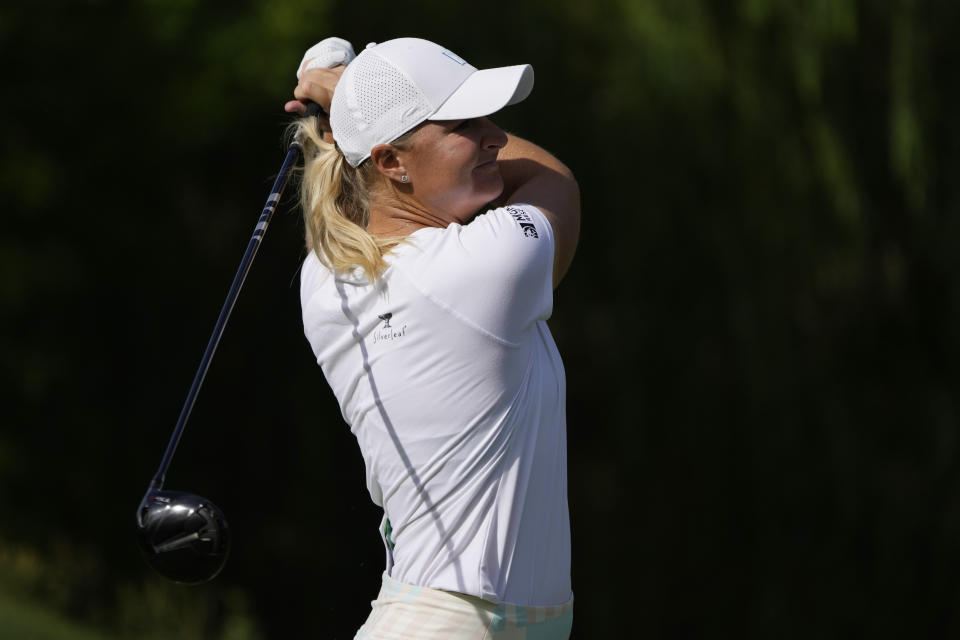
{"x":436,"y":242}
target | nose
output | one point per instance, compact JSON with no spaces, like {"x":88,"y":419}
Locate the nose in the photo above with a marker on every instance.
{"x":493,"y":136}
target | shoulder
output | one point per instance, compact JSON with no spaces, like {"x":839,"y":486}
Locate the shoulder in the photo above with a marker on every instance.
{"x":512,"y":222}
{"x":506,"y":237}
{"x":313,"y":275}
{"x":499,"y":256}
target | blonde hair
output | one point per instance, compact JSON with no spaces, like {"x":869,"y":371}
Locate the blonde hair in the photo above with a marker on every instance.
{"x":335,"y":198}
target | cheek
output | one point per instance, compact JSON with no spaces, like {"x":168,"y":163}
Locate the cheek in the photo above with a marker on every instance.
{"x":453,"y":170}
{"x":441,"y":167}
{"x":447,"y":178}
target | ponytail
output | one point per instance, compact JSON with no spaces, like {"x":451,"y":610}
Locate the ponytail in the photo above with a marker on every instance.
{"x":335,"y":198}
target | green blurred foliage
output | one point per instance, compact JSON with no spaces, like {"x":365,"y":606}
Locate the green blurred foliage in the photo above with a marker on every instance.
{"x":761,"y":328}
{"x":43,"y":595}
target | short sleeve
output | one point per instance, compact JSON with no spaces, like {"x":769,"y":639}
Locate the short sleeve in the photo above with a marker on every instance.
{"x":495,"y":272}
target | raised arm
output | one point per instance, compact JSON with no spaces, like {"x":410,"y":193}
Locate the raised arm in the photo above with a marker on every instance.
{"x":531,"y":175}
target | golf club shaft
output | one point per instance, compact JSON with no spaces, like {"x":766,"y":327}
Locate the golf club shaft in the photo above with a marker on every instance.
{"x":293,"y":155}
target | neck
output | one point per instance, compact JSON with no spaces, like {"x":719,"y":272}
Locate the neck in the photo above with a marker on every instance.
{"x":396,"y":216}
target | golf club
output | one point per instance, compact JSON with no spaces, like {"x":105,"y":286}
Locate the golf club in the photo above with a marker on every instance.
{"x":183,"y":536}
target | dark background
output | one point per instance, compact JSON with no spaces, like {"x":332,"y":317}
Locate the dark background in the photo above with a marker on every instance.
{"x":761,"y":328}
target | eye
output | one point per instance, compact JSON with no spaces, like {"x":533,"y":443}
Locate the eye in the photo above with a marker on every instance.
{"x":464,"y":124}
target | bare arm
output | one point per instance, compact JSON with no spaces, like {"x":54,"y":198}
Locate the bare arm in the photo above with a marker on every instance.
{"x":532,"y":175}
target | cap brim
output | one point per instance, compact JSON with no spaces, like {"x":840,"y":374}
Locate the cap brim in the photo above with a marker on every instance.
{"x":487,"y":91}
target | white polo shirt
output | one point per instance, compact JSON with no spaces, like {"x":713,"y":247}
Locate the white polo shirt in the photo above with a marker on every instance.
{"x":450,"y":380}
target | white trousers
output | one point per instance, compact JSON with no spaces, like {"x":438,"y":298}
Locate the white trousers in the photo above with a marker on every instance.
{"x":406,"y":612}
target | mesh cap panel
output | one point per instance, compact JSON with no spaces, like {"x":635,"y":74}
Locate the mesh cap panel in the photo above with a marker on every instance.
{"x":374,"y":102}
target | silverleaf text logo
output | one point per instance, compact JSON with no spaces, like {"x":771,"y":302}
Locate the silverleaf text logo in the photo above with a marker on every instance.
{"x":386,"y":331}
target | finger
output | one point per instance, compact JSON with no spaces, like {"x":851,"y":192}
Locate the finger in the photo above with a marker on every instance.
{"x":295,"y":106}
{"x":317,"y":73}
{"x":326,"y":78}
{"x":308,"y":91}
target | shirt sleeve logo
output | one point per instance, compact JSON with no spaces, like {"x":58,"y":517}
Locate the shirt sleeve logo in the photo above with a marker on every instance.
{"x":524,"y":220}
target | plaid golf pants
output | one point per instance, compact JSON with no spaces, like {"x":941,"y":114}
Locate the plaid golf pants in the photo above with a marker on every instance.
{"x":403,"y":611}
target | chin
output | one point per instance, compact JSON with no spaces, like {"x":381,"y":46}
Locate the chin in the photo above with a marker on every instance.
{"x":491,"y":188}
{"x":481,"y":197}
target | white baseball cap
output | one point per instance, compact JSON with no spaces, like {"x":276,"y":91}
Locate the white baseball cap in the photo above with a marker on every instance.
{"x":393,"y":86}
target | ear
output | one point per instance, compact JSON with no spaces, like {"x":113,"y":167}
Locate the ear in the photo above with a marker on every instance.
{"x":388,"y":163}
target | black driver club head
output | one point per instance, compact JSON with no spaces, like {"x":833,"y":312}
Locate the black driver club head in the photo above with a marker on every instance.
{"x":184,"y":537}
